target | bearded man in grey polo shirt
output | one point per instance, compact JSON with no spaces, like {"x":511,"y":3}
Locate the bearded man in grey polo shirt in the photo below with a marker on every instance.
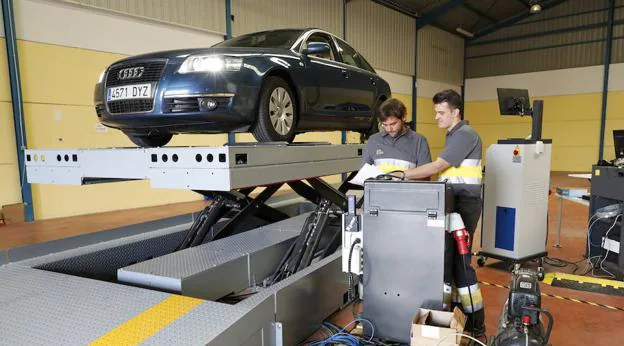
{"x":396,"y":147}
{"x":460,"y":165}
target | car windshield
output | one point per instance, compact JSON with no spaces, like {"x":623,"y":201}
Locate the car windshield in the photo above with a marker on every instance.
{"x":267,"y":39}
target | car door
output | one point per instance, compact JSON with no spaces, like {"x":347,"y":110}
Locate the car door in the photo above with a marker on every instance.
{"x":360,"y":91}
{"x":324,"y":106}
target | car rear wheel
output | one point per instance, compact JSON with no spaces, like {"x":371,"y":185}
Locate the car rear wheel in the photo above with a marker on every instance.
{"x":277,"y":112}
{"x":150,"y":141}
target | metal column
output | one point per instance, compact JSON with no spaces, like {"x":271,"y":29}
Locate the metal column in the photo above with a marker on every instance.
{"x":415,"y":78}
{"x":18,"y":107}
{"x":228,"y":35}
{"x":605,"y":83}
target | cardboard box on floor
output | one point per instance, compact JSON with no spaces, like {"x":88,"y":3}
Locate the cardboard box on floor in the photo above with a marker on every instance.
{"x":431,"y":326}
{"x":13,"y":213}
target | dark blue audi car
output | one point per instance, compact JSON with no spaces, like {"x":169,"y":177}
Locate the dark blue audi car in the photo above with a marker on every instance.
{"x":273,"y":84}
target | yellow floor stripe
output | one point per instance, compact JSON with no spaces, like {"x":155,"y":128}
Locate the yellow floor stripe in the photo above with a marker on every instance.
{"x":550,"y":277}
{"x":149,"y":322}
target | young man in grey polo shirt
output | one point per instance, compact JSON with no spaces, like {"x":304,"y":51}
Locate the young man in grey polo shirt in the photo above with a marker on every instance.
{"x":396,"y":147}
{"x":460,"y":165}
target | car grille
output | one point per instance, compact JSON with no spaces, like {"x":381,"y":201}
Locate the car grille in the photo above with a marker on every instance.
{"x":153,"y":71}
{"x":130,"y":106}
{"x":193,"y":104}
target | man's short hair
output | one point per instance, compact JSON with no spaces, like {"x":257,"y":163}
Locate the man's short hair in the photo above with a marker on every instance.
{"x":392,"y":108}
{"x":451,"y":97}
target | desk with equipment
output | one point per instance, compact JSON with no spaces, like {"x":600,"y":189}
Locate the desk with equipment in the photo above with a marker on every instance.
{"x":606,"y":206}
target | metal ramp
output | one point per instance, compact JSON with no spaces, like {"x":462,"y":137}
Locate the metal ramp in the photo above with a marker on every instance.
{"x":206,"y":259}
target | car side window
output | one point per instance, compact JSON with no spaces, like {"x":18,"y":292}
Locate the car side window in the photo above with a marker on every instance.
{"x":351,"y":57}
{"x":320,"y":38}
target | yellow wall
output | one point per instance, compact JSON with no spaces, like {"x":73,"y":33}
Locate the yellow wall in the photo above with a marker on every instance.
{"x":58,"y":105}
{"x":615,"y":121}
{"x":427,"y":126}
{"x":571,"y":121}
{"x":9,"y":172}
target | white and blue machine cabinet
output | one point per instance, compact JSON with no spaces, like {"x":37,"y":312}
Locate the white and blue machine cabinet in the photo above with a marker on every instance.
{"x":516,"y":188}
{"x":515,"y":203}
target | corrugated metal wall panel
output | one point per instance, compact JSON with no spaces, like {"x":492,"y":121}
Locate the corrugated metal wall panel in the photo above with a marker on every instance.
{"x":536,"y":42}
{"x":384,"y":37}
{"x":202,"y":14}
{"x":256,"y":15}
{"x":566,"y":49}
{"x":619,"y":13}
{"x":566,"y":8}
{"x":617,"y":51}
{"x":532,"y":61}
{"x":440,"y":56}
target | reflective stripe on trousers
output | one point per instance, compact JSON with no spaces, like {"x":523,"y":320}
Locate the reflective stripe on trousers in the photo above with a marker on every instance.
{"x":477,"y":299}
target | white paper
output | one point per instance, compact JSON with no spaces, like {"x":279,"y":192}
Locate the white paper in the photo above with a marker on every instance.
{"x":367,"y":171}
{"x":430,"y":332}
{"x":435,"y":223}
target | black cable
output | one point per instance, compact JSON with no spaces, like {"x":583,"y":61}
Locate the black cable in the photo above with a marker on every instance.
{"x":350,"y":292}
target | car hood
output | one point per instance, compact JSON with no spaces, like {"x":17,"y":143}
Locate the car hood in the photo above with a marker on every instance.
{"x":184,"y":53}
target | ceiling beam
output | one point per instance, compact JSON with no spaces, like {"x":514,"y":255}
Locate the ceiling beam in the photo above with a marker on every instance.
{"x":524,"y":2}
{"x":391,"y":5}
{"x":479,"y":13}
{"x":547,"y":4}
{"x":431,"y":16}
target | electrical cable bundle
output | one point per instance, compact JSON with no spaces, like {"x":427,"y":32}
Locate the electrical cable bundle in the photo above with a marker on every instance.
{"x":599,"y":258}
{"x":343,"y":337}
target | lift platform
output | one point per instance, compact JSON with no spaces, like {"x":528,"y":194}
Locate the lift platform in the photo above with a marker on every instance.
{"x":239,"y":273}
{"x":225,"y":168}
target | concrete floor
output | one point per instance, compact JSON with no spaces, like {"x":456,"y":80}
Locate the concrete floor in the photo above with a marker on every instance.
{"x":575,"y":323}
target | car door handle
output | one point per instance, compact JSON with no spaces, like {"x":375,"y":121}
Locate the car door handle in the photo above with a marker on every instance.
{"x":345,"y":73}
{"x":373,"y":81}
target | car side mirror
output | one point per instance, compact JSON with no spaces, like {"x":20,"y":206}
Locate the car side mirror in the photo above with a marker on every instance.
{"x":317,"y":48}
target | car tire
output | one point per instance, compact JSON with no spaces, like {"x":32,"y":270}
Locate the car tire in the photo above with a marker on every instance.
{"x":150,"y":141}
{"x":277,"y":112}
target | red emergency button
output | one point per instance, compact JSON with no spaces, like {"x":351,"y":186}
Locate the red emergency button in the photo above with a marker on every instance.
{"x":516,"y":152}
{"x":526,"y":320}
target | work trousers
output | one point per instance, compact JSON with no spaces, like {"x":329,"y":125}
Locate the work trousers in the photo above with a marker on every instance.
{"x":458,"y":270}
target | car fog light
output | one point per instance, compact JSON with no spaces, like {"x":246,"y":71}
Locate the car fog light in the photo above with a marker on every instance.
{"x":209,"y":104}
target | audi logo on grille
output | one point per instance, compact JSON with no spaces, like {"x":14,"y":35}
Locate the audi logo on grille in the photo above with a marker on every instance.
{"x":130,"y":73}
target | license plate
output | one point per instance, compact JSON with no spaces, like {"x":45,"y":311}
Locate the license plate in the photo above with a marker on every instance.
{"x":128,"y":92}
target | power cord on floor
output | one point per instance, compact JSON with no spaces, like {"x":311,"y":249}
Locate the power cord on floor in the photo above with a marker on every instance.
{"x":463,"y":336}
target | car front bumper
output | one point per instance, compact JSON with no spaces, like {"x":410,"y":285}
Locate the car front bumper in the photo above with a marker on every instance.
{"x":184,"y":103}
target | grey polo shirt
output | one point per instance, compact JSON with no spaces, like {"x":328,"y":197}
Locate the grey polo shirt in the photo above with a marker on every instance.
{"x":408,"y":150}
{"x":463,"y":142}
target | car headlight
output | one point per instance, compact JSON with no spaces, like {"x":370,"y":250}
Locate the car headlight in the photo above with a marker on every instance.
{"x":210,"y":63}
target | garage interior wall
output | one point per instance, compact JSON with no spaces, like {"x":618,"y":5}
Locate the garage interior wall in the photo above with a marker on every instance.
{"x":9,"y":172}
{"x":63,"y":47}
{"x":440,"y":66}
{"x":558,"y":56}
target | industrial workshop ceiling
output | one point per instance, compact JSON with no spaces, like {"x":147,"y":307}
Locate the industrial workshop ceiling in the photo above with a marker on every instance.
{"x":469,"y":18}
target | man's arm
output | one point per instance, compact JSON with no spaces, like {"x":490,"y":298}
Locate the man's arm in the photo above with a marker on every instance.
{"x":427,"y":170}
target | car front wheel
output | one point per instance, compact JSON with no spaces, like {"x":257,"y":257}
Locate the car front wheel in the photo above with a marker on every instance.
{"x":150,"y":141}
{"x":277,"y":112}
